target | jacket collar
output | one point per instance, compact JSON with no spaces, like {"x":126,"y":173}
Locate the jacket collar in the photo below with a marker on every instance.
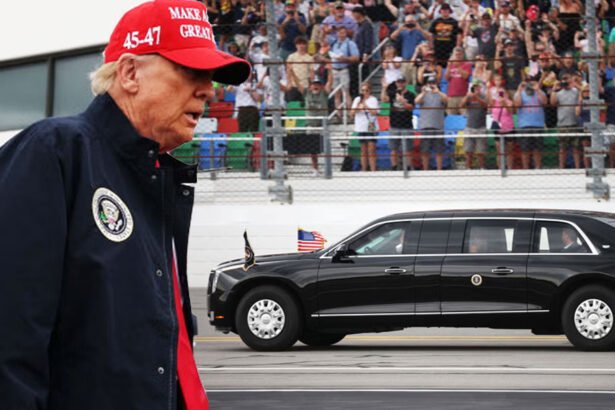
{"x":113,"y":125}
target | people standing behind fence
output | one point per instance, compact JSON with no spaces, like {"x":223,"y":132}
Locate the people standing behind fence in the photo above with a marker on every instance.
{"x":290,"y":26}
{"x":365,"y":113}
{"x":510,"y":65}
{"x":408,"y":36}
{"x":364,"y":39}
{"x":475,"y":104}
{"x":446,"y":35}
{"x":502,"y":124}
{"x":609,"y":137}
{"x":316,"y":103}
{"x":343,"y":53}
{"x":530,"y":101}
{"x":583,"y":114}
{"x":391,"y":65}
{"x":431,"y":122}
{"x":565,"y":96}
{"x":457,"y":74}
{"x":320,"y":10}
{"x":482,"y":73}
{"x":247,"y":102}
{"x":335,"y":20}
{"x":402,"y":104}
{"x":428,"y":70}
{"x":299,"y":66}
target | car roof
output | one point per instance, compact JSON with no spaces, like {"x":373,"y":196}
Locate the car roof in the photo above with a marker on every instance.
{"x":490,"y":212}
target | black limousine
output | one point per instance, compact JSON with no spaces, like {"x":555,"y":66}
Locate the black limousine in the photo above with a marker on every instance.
{"x":549,"y":271}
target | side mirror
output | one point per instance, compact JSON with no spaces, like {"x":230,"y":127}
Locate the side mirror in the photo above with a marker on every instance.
{"x":342,"y":253}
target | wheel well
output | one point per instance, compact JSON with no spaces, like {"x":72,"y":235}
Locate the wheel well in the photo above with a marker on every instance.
{"x":248,"y":285}
{"x":573,"y":285}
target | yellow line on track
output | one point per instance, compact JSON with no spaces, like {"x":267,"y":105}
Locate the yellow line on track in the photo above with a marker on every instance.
{"x":211,"y":339}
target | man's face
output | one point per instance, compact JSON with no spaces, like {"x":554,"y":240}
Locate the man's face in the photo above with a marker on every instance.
{"x":301,"y":47}
{"x":486,"y":22}
{"x":169,"y":100}
{"x":446,"y":13}
{"x":568,"y":60}
{"x":341,"y":33}
{"x":339,"y":12}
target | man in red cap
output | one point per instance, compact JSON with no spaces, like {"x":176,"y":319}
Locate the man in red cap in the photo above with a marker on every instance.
{"x":94,"y":299}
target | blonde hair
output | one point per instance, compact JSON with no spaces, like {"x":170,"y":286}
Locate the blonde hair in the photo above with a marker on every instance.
{"x":102,"y":78}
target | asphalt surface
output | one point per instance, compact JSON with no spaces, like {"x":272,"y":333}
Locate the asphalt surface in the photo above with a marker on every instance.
{"x":415,"y":368}
{"x":393,"y":400}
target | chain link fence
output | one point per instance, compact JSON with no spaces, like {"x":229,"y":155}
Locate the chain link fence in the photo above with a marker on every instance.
{"x":515,"y":116}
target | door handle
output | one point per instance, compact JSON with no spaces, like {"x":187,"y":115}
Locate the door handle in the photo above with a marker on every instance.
{"x":502,"y":271}
{"x":394,"y":270}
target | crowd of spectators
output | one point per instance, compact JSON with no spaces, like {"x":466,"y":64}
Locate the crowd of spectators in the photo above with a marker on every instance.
{"x":514,"y":68}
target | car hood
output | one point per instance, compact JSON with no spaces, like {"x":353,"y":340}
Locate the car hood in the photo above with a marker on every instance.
{"x":267,"y":259}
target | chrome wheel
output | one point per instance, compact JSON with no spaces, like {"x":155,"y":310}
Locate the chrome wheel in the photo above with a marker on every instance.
{"x":266,"y":319}
{"x":593,"y":319}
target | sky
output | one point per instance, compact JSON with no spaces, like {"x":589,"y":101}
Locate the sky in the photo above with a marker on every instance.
{"x":40,"y":26}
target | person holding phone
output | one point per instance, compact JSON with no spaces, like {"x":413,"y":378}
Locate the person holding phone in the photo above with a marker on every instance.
{"x":431,"y":122}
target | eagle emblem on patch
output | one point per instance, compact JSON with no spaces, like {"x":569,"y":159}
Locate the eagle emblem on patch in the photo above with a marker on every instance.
{"x":111,"y":215}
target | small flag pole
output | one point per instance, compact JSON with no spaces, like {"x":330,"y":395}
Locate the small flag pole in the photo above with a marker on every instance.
{"x":250,"y":260}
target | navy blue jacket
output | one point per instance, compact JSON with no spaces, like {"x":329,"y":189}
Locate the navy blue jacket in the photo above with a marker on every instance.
{"x":86,"y":298}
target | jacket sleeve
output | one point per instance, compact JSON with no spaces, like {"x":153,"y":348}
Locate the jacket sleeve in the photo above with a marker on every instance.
{"x":32,"y":243}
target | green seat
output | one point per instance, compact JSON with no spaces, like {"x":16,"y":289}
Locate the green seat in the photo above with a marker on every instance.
{"x":354,"y":148}
{"x":385,"y":109}
{"x":188,"y":152}
{"x":237,"y":153}
{"x":411,"y":88}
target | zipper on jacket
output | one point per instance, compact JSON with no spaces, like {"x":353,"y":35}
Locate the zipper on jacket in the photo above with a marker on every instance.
{"x":173,"y":347}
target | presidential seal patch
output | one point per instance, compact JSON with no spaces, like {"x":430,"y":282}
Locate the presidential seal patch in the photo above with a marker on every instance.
{"x":111,"y":215}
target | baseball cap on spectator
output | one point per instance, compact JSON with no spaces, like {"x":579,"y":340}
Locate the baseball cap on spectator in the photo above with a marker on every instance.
{"x":316,"y":80}
{"x":508,"y":42}
{"x":339,"y":4}
{"x":178,"y":30}
{"x":486,"y":16}
{"x":290,"y":3}
{"x":505,"y":4}
{"x":445,"y":6}
{"x":532,"y":12}
{"x":359,"y":9}
{"x":400,"y":77}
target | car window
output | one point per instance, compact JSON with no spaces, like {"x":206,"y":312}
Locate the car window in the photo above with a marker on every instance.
{"x":434,"y":236}
{"x":496,"y":236}
{"x":386,"y":239}
{"x":558,"y":237}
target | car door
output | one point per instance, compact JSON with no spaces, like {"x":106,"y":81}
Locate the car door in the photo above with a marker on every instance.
{"x":485,"y":271}
{"x":371,"y":286}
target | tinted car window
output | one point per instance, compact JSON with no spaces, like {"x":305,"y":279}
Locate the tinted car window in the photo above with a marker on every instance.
{"x":434,"y":236}
{"x":387,"y":239}
{"x":489,"y":236}
{"x":558,"y":237}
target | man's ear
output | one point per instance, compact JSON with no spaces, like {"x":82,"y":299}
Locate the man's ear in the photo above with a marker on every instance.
{"x":127,"y":73}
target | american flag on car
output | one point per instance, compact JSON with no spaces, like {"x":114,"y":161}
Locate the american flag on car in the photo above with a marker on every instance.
{"x":308,"y":241}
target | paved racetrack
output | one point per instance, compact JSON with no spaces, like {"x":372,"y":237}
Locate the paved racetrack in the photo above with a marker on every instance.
{"x":421,"y":365}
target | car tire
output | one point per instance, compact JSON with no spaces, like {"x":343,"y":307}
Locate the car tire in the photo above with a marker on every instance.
{"x":267,"y":319}
{"x":317,"y":339}
{"x":587,"y":318}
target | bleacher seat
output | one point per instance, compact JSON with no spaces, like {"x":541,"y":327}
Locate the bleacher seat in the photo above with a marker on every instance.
{"x":385,"y":109}
{"x":229,"y":96}
{"x":206,"y":126}
{"x":212,"y":153}
{"x":188,"y":152}
{"x":238,"y":152}
{"x":220,"y":109}
{"x":228,"y":125}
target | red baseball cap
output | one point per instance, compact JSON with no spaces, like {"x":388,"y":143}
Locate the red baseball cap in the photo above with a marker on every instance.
{"x":178,"y":30}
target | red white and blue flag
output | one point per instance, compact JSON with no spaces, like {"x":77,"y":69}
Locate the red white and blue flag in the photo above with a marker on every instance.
{"x":308,"y":241}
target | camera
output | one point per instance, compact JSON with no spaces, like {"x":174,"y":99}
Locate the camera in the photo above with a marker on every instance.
{"x":563,"y":84}
{"x":410,"y":25}
{"x":472,"y":16}
{"x":582,"y":37}
{"x":474,"y":88}
{"x":501,"y":94}
{"x":535,"y":57}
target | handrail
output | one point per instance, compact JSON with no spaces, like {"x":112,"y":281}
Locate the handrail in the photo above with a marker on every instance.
{"x":377,"y":49}
{"x":343,"y":104}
